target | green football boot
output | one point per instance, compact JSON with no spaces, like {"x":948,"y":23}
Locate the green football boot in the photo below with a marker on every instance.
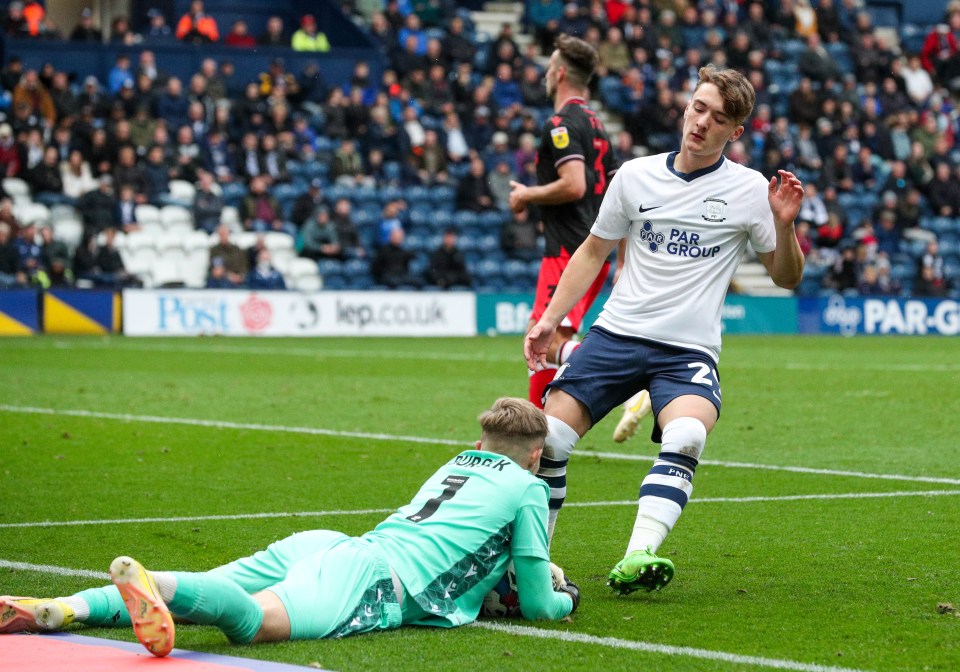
{"x":640,"y":569}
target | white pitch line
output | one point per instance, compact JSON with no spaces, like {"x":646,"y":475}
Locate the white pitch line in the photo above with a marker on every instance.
{"x":221,"y":424}
{"x":527,"y":631}
{"x":315,"y":431}
{"x":774,"y":467}
{"x":320,"y":351}
{"x":574,"y":505}
{"x":53,"y":569}
{"x":663,"y":649}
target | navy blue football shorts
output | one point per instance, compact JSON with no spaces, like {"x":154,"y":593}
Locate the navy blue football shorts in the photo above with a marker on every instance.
{"x":607,"y":369}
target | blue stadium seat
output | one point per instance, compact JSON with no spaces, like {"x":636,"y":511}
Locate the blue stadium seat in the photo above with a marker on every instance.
{"x":355,"y":267}
{"x":488,"y":243}
{"x":417,"y":243}
{"x":533,"y":270}
{"x":492,"y":219}
{"x":464,"y":218}
{"x":389,"y":193}
{"x":234,"y":193}
{"x":421,"y":215}
{"x":419,"y":265}
{"x":485,"y":270}
{"x":366,"y":194}
{"x":948,"y":245}
{"x":372,"y":208}
{"x":416,"y":194}
{"x":884,"y":15}
{"x":316,"y":169}
{"x":913,"y":36}
{"x":516,"y":272}
{"x":392,"y":171}
{"x":329,"y":267}
{"x":362,"y":282}
{"x":362,"y":219}
{"x":443,"y":196}
{"x":338,"y":191}
{"x":468,"y":243}
{"x":334,"y":282}
{"x":441,"y":219}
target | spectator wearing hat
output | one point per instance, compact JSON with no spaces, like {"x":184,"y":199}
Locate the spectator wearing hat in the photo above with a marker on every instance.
{"x":196,"y":27}
{"x":217,"y":275}
{"x":92,"y":98}
{"x":28,"y":251}
{"x":307,"y":202}
{"x":309,"y":38}
{"x":85,"y":31}
{"x":158,"y":30}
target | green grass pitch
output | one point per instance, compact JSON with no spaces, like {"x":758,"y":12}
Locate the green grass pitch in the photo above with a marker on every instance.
{"x":823,"y":530}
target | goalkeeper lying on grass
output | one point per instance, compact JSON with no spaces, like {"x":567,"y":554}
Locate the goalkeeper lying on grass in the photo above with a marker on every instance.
{"x":429,"y":563}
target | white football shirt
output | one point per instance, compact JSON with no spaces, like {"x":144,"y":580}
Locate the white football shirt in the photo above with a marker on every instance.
{"x":685,"y":236}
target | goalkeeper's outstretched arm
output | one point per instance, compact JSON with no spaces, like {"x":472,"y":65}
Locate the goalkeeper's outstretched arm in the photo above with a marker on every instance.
{"x":539,"y":599}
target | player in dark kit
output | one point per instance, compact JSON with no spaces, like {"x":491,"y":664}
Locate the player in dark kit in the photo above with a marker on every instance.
{"x":574,"y":165}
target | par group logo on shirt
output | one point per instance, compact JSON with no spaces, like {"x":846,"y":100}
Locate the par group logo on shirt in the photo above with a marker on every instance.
{"x":560,"y":137}
{"x":651,"y":237}
{"x":713,"y":209}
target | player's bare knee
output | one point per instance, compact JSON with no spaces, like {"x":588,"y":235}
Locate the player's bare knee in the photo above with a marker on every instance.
{"x":276,"y":621}
{"x":685,"y":436}
{"x":569,"y":410}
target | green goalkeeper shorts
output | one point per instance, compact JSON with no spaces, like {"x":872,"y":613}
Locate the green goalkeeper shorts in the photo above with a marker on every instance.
{"x":331,"y":584}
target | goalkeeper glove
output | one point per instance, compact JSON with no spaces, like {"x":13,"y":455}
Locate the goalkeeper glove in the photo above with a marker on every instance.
{"x":571,"y":589}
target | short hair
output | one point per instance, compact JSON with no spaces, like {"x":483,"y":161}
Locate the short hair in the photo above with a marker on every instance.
{"x":513,"y":421}
{"x":735,"y":89}
{"x":579,"y":57}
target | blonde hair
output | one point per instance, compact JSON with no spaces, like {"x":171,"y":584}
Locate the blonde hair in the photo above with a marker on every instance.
{"x":735,"y":89}
{"x":513,"y":423}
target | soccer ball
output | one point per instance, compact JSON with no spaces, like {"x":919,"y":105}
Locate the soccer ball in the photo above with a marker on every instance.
{"x":503,"y":601}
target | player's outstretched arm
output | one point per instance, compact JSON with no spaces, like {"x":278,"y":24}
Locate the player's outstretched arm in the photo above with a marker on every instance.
{"x":785,"y":263}
{"x":539,"y":598}
{"x":574,"y":283}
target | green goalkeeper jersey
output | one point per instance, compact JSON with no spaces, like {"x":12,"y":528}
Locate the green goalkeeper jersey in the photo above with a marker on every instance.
{"x":453,"y":542}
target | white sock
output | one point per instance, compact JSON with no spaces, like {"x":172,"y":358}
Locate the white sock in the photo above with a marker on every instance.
{"x":647,"y":533}
{"x":566,"y":349}
{"x":166,"y":584}
{"x":81,"y":610}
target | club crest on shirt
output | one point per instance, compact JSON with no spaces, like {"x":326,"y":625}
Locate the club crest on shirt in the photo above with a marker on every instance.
{"x":560,"y":137}
{"x":713,"y":209}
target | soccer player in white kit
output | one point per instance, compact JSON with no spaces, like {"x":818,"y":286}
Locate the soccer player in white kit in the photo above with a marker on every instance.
{"x":687,"y":217}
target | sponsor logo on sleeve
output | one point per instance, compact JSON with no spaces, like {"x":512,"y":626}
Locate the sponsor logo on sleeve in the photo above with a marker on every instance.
{"x":560,"y":137}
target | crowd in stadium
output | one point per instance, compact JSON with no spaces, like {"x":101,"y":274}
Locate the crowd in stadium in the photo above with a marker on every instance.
{"x":405,"y":174}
